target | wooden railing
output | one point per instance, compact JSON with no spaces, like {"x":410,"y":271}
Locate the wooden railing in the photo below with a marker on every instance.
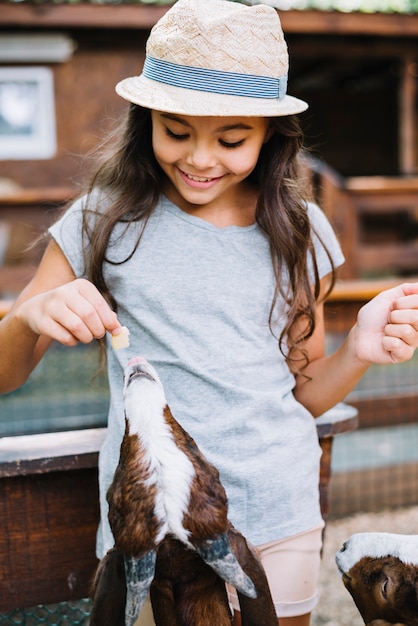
{"x":393,"y":249}
{"x":353,"y":204}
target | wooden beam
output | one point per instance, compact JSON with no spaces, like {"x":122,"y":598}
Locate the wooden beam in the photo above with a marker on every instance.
{"x":370,"y":185}
{"x":306,"y":46}
{"x":360,"y":291}
{"x":130,"y":16}
{"x":37,"y":195}
{"x":337,"y":23}
{"x":408,"y":162}
{"x":50,"y":452}
{"x":84,"y":15}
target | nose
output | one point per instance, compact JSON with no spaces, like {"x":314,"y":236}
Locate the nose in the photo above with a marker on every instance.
{"x":200,"y":156}
{"x":137,"y":359}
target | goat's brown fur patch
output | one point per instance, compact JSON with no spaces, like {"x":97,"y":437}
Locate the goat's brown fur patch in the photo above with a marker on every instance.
{"x":384,"y":590}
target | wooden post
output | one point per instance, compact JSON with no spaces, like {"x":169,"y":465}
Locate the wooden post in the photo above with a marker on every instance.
{"x":407,"y":118}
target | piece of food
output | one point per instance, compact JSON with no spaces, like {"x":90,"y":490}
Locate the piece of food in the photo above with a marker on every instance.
{"x":121,"y":339}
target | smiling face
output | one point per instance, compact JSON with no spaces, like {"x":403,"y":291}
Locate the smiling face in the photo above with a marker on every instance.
{"x":208,"y":159}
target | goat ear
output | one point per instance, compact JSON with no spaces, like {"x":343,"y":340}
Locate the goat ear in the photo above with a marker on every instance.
{"x":218,"y":554}
{"x":261,"y":609}
{"x":139,"y":576}
{"x":109,"y":592}
{"x":384,"y":586}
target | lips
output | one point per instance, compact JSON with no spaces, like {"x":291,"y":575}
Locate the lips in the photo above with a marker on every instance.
{"x":198,"y":181}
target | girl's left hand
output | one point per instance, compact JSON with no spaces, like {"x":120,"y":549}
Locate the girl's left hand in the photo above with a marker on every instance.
{"x":387,"y":326}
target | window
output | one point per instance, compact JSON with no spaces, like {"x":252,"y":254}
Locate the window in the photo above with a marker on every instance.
{"x":27,"y":113}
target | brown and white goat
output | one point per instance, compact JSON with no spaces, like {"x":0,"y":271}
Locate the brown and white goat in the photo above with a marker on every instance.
{"x":168,"y":514}
{"x":380,"y":570}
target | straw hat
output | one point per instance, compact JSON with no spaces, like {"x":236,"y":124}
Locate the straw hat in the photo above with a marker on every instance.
{"x":217,"y":58}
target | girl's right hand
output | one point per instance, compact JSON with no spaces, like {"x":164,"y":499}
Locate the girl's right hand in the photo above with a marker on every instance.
{"x":71,"y":313}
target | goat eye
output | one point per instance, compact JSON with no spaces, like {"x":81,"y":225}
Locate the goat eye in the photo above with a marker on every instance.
{"x":384,"y":588}
{"x":344,"y":547}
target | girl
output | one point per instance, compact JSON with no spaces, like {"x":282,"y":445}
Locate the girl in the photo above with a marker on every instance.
{"x":196,"y":234}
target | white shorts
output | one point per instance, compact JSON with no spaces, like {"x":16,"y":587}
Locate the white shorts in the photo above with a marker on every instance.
{"x":292,"y":569}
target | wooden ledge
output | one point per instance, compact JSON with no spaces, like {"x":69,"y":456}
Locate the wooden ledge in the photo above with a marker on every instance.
{"x":78,"y":449}
{"x":342,"y":418}
{"x":50,"y":452}
{"x":364,"y":290}
{"x":37,"y":195}
{"x":382,"y":184}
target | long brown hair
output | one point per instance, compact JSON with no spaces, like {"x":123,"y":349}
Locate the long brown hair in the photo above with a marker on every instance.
{"x":131,"y":178}
{"x":282,"y":212}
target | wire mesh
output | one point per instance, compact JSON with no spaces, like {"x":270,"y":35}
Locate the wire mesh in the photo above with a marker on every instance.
{"x":72,"y":613}
{"x":66,"y":391}
{"x":376,"y":466}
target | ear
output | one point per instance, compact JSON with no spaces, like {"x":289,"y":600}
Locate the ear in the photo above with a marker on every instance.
{"x":109,"y":592}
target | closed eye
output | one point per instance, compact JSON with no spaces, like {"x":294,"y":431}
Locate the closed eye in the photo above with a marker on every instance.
{"x":175,"y":136}
{"x":231,"y":144}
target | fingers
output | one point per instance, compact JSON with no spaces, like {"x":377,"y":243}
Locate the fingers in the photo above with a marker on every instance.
{"x":388,"y":326}
{"x":405,"y":309}
{"x":75,"y":312}
{"x":397,"y":349}
{"x":409,"y":288}
{"x":92,"y":316}
{"x":401,"y":331}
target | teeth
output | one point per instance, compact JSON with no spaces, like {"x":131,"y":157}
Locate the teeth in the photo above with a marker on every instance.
{"x":198,"y":179}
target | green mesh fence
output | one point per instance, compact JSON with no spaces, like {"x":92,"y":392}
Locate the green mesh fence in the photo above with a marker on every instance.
{"x":376,"y":466}
{"x":65,"y":392}
{"x":61,"y":614}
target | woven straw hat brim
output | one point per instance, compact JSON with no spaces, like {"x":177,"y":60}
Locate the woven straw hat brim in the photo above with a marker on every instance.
{"x":162,"y":97}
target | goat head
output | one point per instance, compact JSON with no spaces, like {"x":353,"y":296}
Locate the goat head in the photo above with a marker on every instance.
{"x":380,"y":571}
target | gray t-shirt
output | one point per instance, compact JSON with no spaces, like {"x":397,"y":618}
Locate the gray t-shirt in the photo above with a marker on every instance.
{"x":196,"y":299}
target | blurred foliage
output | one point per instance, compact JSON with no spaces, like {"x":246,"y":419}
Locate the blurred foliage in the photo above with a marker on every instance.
{"x":347,"y":6}
{"x":116,"y":2}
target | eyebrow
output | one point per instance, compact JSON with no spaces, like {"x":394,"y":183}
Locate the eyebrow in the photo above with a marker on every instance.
{"x":221,"y":129}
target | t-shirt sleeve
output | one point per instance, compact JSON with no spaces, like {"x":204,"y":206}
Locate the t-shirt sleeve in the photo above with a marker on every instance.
{"x":67,"y":232}
{"x":325,"y":241}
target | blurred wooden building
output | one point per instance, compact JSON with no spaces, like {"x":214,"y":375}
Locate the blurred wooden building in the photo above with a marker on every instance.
{"x":357,"y":71}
